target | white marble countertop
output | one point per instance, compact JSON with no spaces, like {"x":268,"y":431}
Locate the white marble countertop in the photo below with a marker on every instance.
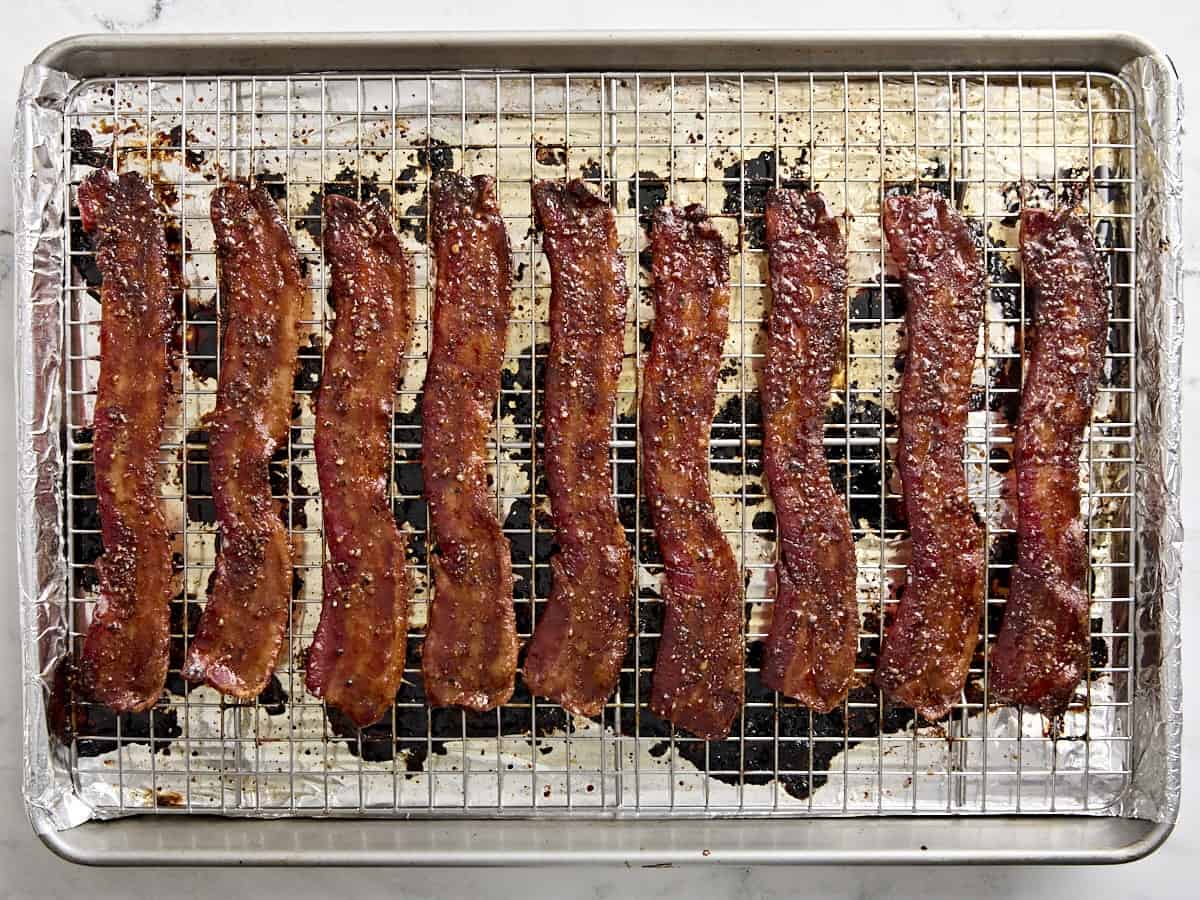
{"x":27,"y":869}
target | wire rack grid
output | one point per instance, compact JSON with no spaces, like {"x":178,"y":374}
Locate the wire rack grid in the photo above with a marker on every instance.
{"x":992,"y":141}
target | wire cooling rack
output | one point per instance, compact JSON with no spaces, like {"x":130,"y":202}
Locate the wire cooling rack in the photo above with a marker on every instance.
{"x":993,"y":141}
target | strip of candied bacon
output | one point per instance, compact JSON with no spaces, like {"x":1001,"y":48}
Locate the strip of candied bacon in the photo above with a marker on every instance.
{"x":581,"y":636}
{"x":125,"y":652}
{"x":244,"y":623}
{"x":356,"y":661}
{"x":927,"y":650}
{"x":469,"y":657}
{"x":1041,"y":653}
{"x":810,"y":650}
{"x":698,"y":675}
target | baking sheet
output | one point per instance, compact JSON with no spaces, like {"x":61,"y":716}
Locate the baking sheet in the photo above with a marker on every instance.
{"x":247,"y":769}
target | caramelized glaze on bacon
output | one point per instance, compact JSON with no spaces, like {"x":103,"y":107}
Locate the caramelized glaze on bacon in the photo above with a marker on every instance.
{"x":1041,"y":654}
{"x":470,"y":654}
{"x":810,"y":651}
{"x":576,"y":653}
{"x":244,"y":623}
{"x":927,"y":650}
{"x":356,"y":661}
{"x":125,"y":652}
{"x":698,"y":675}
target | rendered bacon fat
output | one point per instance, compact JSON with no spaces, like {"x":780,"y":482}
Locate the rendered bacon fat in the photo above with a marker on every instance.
{"x":243,"y":626}
{"x":810,"y":651}
{"x":125,"y":652}
{"x":470,"y":653}
{"x":577,"y":649}
{"x":927,"y":650}
{"x":356,"y":660}
{"x":698,"y":676}
{"x":1041,"y":653}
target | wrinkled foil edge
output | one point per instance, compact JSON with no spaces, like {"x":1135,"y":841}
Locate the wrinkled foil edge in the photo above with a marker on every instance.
{"x":50,"y":797}
{"x":49,"y":791}
{"x":1157,"y":726}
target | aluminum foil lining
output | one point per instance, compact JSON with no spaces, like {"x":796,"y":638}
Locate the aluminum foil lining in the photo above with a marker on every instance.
{"x":61,"y":794}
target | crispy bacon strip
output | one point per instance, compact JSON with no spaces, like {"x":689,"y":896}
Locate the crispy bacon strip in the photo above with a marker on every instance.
{"x":928,"y":647}
{"x":125,"y":652}
{"x":356,"y":660}
{"x":810,"y":651}
{"x":1041,"y":653}
{"x":698,"y":676}
{"x":470,"y":653}
{"x":576,"y":653}
{"x":244,"y":623}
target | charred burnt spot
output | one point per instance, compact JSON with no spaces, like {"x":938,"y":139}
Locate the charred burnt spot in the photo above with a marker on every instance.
{"x":406,"y":433}
{"x":200,"y":506}
{"x":275,"y":185}
{"x":866,"y":722}
{"x":648,"y":611}
{"x":202,"y":343}
{"x":1098,"y":650}
{"x":406,"y":180}
{"x":518,"y":527}
{"x":1004,"y":279}
{"x":371,"y":189}
{"x":869,"y":306}
{"x":866,"y":474}
{"x":83,"y":256}
{"x":645,"y":334}
{"x":436,"y":156}
{"x":746,"y":184}
{"x":299,"y":497}
{"x":280,"y":474}
{"x":344,"y":183}
{"x":1004,"y":372}
{"x":176,"y":139}
{"x":85,"y":153}
{"x":1000,"y":460}
{"x":309,"y":362}
{"x":273,"y":699}
{"x":185,"y":623}
{"x":516,"y":385}
{"x":1043,"y":193}
{"x":867,"y":655}
{"x":648,"y":551}
{"x":647,"y":192}
{"x":754,"y":494}
{"x":554,"y":155}
{"x":591,"y":171}
{"x":414,"y":219}
{"x":86,"y":541}
{"x":726,"y":456}
{"x":1002,"y":556}
{"x":764,"y":520}
{"x":99,"y":730}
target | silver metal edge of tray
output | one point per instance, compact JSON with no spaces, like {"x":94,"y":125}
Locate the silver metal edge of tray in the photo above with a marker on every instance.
{"x":188,"y":54}
{"x":204,"y":840}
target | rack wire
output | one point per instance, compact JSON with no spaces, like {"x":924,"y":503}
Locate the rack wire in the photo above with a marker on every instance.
{"x":992,"y":141}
